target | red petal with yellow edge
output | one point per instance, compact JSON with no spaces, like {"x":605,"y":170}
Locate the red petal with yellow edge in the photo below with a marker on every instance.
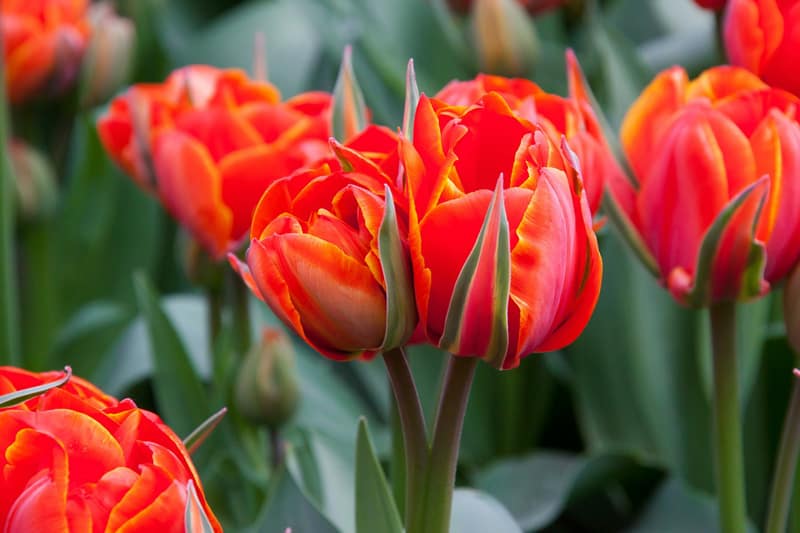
{"x":427,"y":158}
{"x":153,"y":501}
{"x":705,"y":161}
{"x":717,"y":84}
{"x":776,"y":145}
{"x":41,"y":507}
{"x":190,"y":187}
{"x":647,"y":120}
{"x":340,"y":304}
{"x":107,"y":492}
{"x":748,"y":109}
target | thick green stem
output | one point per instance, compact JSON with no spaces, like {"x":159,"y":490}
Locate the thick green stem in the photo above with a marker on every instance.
{"x":443,"y":459}
{"x":412,"y":423}
{"x":785,"y":466}
{"x":729,"y":459}
{"x":39,"y":296}
{"x":397,"y":464}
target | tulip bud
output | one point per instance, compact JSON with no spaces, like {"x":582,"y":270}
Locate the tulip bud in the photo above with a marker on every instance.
{"x":266,"y":388}
{"x":505,"y":37}
{"x":37,"y":193}
{"x":110,"y":56}
{"x":791,"y":308}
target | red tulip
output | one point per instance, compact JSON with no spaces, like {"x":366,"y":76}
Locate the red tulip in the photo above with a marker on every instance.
{"x":504,"y":256}
{"x":75,"y":459}
{"x":43,"y":44}
{"x":763,"y":36}
{"x":209,"y":142}
{"x":320,"y":257}
{"x":571,"y":117}
{"x":706,"y":155}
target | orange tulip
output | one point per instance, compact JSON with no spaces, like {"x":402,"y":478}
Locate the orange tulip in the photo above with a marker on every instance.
{"x":43,"y":44}
{"x":504,"y":257}
{"x":75,"y":459}
{"x":762,"y":36}
{"x":320,"y":257}
{"x":209,"y":142}
{"x":717,"y":164}
{"x":571,"y":117}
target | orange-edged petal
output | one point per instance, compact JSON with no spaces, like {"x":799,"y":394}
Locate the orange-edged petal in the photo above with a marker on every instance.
{"x":720,"y":83}
{"x":155,"y":502}
{"x":190,"y":187}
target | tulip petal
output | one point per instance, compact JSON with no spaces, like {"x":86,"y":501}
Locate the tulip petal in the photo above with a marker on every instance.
{"x":401,"y":315}
{"x":479,"y":302}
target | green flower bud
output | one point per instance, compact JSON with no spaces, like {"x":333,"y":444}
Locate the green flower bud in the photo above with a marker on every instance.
{"x":505,"y":37}
{"x":266,"y":388}
{"x":37,"y":192}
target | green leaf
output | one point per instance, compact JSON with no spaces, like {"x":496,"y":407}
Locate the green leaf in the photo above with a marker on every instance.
{"x":401,"y":313}
{"x":201,"y":433}
{"x":629,"y":233}
{"x":376,"y":511}
{"x":179,"y":392}
{"x":350,"y":115}
{"x":195,"y":518}
{"x":20,"y":396}
{"x":477,"y":512}
{"x":485,"y":277}
{"x":412,"y":98}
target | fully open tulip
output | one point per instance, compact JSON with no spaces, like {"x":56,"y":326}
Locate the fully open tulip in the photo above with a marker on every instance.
{"x":505,"y":259}
{"x":327,"y":252}
{"x":763,"y":36}
{"x":43,"y":43}
{"x":75,"y":459}
{"x":571,"y":116}
{"x":209,"y":142}
{"x":717,"y":165}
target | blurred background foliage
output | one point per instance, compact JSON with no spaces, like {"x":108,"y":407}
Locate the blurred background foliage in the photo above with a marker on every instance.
{"x":610,"y":435}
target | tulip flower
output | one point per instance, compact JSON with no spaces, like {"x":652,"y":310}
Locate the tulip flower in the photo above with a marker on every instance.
{"x":327,"y":252}
{"x":43,"y":44}
{"x":505,"y":259}
{"x":570,"y":116}
{"x":762,"y":36}
{"x":716,"y":203}
{"x":208,"y":142}
{"x":76,"y":459}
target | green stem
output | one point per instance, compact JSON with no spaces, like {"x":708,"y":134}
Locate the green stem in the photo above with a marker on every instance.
{"x":729,"y":459}
{"x":397,"y":464}
{"x":214,"y":300}
{"x":39,"y":297}
{"x":785,"y":466}
{"x":443,"y":460}
{"x":794,"y":523}
{"x":241,"y":313}
{"x":412,"y":422}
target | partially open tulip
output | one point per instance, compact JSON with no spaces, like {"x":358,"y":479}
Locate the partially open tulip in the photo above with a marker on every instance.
{"x":43,"y":44}
{"x":75,"y":459}
{"x":505,"y":259}
{"x":716,"y":203}
{"x":571,"y":116}
{"x":763,"y":36}
{"x":209,"y":142}
{"x":328,"y":253}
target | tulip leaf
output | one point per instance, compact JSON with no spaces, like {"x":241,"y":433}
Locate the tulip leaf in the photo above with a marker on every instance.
{"x":401,"y":315}
{"x":482,"y":290}
{"x":376,"y":511}
{"x":9,"y":319}
{"x":629,"y":233}
{"x":201,"y":432}
{"x":476,"y":512}
{"x":23,"y":395}
{"x":700,"y":293}
{"x":195,"y":518}
{"x":350,"y":115}
{"x":179,"y":392}
{"x":412,"y":98}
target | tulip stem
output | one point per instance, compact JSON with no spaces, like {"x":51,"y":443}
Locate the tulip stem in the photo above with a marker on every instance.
{"x":39,"y":295}
{"x":443,"y":460}
{"x":412,"y":423}
{"x":276,"y":448}
{"x":215,"y":300}
{"x":397,"y":463}
{"x":785,"y":466}
{"x":241,"y":313}
{"x":729,"y":459}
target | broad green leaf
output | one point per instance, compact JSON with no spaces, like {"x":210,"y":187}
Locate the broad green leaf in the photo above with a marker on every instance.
{"x":349,"y":115}
{"x":195,"y":518}
{"x":201,"y":432}
{"x":20,"y":396}
{"x":477,"y":512}
{"x":485,"y":279}
{"x":179,"y":392}
{"x":401,"y":313}
{"x":376,"y":511}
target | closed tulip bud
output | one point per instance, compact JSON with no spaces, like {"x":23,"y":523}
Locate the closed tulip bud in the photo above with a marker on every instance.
{"x":37,"y":193}
{"x":505,"y":37}
{"x":266,"y":388}
{"x":110,"y":55}
{"x":791,"y":308}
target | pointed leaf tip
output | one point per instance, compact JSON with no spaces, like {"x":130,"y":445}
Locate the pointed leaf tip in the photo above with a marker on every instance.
{"x":17,"y":397}
{"x":201,"y":433}
{"x":350,"y":115}
{"x":412,"y":98}
{"x":376,"y":511}
{"x":195,"y":518}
